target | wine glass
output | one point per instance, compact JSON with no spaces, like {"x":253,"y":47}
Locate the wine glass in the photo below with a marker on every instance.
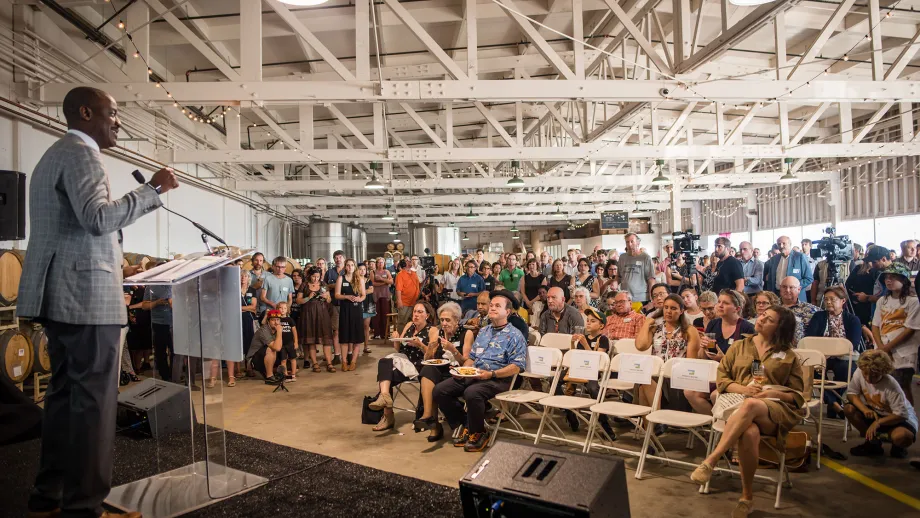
{"x":759,"y":373}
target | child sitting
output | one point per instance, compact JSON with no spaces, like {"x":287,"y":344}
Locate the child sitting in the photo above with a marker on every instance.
{"x":878,"y":407}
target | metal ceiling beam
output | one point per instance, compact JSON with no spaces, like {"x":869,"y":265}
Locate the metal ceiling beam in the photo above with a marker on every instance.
{"x":524,"y":212}
{"x":733,"y":91}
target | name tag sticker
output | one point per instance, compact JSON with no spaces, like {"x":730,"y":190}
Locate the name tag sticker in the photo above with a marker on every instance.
{"x":479,"y":350}
{"x":343,"y":284}
{"x":779,"y":356}
{"x":284,"y":288}
{"x":627,"y":320}
{"x":473,"y":286}
{"x":796,"y":270}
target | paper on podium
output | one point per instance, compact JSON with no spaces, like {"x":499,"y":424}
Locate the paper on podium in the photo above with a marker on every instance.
{"x":179,"y":270}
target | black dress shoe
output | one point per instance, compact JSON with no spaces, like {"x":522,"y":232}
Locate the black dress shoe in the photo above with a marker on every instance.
{"x":573,"y":421}
{"x":425,"y":424}
{"x":607,"y":428}
{"x":438,"y":436}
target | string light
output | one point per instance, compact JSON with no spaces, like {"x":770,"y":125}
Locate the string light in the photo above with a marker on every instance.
{"x":121,"y":24}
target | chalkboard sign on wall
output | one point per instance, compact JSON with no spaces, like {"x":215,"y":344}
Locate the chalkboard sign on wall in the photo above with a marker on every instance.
{"x":614,"y":220}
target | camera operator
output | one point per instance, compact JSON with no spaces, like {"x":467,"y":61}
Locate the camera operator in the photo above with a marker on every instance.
{"x":729,"y":272}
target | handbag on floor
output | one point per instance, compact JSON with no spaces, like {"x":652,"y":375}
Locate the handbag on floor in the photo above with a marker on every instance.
{"x":369,"y":416}
{"x":798,"y":452}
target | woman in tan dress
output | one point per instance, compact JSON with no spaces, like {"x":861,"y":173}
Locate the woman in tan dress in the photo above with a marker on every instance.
{"x":764,"y":412}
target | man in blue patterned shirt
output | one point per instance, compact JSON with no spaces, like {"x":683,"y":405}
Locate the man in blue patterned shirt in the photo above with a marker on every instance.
{"x":499,"y":352}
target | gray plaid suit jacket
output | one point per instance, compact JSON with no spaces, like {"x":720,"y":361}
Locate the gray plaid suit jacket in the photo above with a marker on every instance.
{"x":72,"y":271}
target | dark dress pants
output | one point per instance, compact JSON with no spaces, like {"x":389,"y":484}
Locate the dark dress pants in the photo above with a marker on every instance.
{"x":475,"y":392}
{"x":78,"y":433}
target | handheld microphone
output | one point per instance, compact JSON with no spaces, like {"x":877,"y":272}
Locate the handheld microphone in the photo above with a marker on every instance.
{"x":140,"y":179}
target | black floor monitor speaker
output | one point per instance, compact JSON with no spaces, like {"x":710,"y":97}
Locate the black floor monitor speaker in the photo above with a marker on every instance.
{"x":523,"y":480}
{"x":156,"y":406}
{"x":12,"y":205}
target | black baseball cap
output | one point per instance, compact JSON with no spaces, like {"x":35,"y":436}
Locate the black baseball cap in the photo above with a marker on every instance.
{"x":876,"y":253}
{"x":508,"y":295}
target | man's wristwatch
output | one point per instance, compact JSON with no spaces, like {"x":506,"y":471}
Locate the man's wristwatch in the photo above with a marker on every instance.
{"x":157,"y":188}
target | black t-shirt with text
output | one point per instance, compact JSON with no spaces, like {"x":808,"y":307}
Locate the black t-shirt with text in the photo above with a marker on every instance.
{"x":287,"y":332}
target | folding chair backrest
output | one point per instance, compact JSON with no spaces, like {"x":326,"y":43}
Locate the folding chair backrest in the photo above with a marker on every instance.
{"x":555,"y":361}
{"x":628,"y":346}
{"x":557,"y":341}
{"x":811,"y":359}
{"x":603,"y":362}
{"x":713,"y":371}
{"x":533,"y":337}
{"x":657,"y":363}
{"x":831,"y":347}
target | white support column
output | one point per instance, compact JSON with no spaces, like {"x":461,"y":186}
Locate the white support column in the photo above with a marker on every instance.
{"x":578,"y":35}
{"x":875,"y":35}
{"x":752,"y":206}
{"x":675,"y":205}
{"x":907,"y":122}
{"x":472,"y":63}
{"x":833,"y":199}
{"x":519,"y":123}
{"x":696,"y":217}
{"x":251,"y":40}
{"x":379,"y":126}
{"x":136,"y":15}
{"x":306,"y":125}
{"x":362,"y":40}
{"x":846,"y":122}
{"x":720,"y":124}
{"x":232,"y":126}
{"x":331,"y":169}
{"x":449,"y":124}
{"x":683,"y":31}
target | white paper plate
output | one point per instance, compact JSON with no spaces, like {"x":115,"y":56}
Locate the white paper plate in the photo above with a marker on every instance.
{"x":454,"y":372}
{"x":436,"y":363}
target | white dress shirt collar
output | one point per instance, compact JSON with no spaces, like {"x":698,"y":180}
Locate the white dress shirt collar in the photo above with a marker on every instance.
{"x":86,"y":138}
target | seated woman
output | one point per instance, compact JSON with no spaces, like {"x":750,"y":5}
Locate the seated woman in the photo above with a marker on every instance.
{"x":728,"y":327}
{"x":449,"y":338}
{"x":764,"y":301}
{"x":764,"y":412}
{"x":669,"y":335}
{"x":834,"y":322}
{"x":877,"y":404}
{"x":707,"y":302}
{"x":420,"y":330}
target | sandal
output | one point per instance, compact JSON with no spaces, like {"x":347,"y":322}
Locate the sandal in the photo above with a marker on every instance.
{"x":386,"y":423}
{"x":317,"y":368}
{"x":231,"y":382}
{"x":211,"y":382}
{"x":330,"y":368}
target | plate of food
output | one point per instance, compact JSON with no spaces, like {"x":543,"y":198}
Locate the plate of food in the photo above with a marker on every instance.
{"x":403,"y":340}
{"x":465,"y":372}
{"x":437,"y":362}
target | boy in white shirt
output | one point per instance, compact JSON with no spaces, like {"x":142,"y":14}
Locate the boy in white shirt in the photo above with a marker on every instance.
{"x":878,"y":407}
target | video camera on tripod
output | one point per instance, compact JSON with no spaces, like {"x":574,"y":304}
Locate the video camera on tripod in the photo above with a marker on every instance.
{"x":833,"y":248}
{"x":687,"y":245}
{"x":429,"y":290}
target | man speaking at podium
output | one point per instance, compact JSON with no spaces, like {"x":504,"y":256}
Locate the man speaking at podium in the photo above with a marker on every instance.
{"x":72,"y":283}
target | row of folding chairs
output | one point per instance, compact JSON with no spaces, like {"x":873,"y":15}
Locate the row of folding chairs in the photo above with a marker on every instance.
{"x":550,"y":352}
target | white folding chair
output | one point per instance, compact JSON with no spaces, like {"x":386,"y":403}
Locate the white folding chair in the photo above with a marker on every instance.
{"x":833,"y":348}
{"x":632,"y":413}
{"x":559,"y":341}
{"x":527,"y":398}
{"x":813,"y":360}
{"x":689,"y":421}
{"x":574,"y":404}
{"x":624,"y":346}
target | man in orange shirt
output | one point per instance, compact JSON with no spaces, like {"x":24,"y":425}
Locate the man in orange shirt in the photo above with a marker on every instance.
{"x":408,"y":289}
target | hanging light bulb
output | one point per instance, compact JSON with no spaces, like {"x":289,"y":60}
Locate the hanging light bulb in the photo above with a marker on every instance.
{"x":137,"y":54}
{"x":121,"y":24}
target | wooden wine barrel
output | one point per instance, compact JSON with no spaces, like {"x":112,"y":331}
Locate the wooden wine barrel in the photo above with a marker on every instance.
{"x":400,"y":246}
{"x":292,"y":264}
{"x":391,"y":247}
{"x":387,"y":254}
{"x":42,"y":362}
{"x":16,"y":356}
{"x":10,"y":272}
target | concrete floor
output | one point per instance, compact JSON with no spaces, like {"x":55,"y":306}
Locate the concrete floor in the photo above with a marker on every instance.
{"x":321,"y":414}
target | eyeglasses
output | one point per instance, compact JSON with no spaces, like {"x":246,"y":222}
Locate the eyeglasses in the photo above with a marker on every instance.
{"x":707,"y":310}
{"x":762,"y":303}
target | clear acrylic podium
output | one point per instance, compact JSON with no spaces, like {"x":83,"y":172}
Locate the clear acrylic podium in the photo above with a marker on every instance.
{"x":206,"y":328}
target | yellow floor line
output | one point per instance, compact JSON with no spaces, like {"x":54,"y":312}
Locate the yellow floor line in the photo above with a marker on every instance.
{"x":873,"y":484}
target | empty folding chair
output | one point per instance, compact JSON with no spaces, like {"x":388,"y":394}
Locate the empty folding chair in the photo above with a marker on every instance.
{"x":633,"y":413}
{"x":625,"y":346}
{"x":813,"y":360}
{"x":538,"y":360}
{"x":833,"y":348}
{"x":575,"y":404}
{"x":692,"y":422}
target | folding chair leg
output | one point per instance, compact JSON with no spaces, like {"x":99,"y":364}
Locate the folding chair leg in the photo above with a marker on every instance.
{"x":644,"y":453}
{"x":542,"y":424}
{"x":779,"y":479}
{"x":689,"y":441}
{"x":498,"y":423}
{"x":846,"y":428}
{"x":712,"y":441}
{"x":820,"y":439}
{"x":591,"y":424}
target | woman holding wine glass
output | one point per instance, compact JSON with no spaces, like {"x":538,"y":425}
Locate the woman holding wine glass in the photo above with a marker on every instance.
{"x":722,"y":331}
{"x":770,"y":406}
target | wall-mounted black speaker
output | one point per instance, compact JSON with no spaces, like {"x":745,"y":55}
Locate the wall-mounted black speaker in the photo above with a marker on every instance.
{"x":12,"y":205}
{"x":512,"y":480}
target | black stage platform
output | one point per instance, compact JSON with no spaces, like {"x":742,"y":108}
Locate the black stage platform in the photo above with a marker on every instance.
{"x":301,"y":483}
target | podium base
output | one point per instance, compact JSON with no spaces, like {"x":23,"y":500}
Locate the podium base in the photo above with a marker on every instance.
{"x":182,"y":490}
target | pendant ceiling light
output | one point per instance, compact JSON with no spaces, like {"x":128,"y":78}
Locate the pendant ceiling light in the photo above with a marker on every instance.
{"x":514,"y":228}
{"x":466,"y":237}
{"x":558,"y":213}
{"x":788,"y":177}
{"x":471,"y":215}
{"x":374,"y":185}
{"x":660,"y":178}
{"x":393,"y":231}
{"x":515,"y":237}
{"x":388,"y":216}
